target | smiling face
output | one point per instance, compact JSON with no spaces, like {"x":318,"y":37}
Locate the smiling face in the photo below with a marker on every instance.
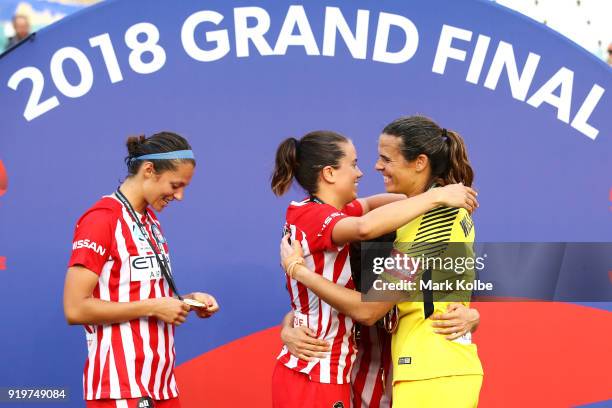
{"x":161,"y":188}
{"x":399,"y":175}
{"x":344,"y":178}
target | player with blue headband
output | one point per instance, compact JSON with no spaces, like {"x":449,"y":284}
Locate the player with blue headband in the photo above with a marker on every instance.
{"x":120,"y":284}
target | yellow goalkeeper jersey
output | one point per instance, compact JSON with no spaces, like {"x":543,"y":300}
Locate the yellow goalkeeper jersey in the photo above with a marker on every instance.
{"x":418,"y":353}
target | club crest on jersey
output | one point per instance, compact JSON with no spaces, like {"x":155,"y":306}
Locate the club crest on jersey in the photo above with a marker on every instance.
{"x":85,"y":243}
{"x":158,"y":235}
{"x":144,"y":268}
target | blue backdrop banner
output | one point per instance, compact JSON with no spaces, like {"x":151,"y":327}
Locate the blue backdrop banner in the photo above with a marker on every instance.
{"x":533,"y":108}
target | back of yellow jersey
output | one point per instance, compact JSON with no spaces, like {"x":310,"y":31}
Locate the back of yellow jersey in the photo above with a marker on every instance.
{"x":418,"y":352}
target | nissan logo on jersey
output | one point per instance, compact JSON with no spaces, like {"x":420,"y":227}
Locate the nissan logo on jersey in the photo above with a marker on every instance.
{"x":144,"y":268}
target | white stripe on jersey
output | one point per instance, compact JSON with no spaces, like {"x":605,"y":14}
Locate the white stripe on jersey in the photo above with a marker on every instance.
{"x":91,"y":355}
{"x":115,"y":388}
{"x":104,"y":351}
{"x":344,"y":350}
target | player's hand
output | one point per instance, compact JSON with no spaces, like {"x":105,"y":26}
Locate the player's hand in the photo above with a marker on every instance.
{"x":457,"y":321}
{"x":303,"y":343}
{"x":458,"y":195}
{"x":169,"y":310}
{"x":211,"y":307}
{"x":290,"y":252}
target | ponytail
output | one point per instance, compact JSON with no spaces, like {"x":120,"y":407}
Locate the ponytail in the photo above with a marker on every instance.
{"x":285,"y":165}
{"x":459,"y":170}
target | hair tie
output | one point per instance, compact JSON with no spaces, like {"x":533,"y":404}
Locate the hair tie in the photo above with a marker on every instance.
{"x":444,"y":135}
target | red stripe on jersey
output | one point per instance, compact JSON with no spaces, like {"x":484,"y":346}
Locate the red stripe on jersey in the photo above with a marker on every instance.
{"x":339,"y":262}
{"x":120,"y":365}
{"x":290,"y":290}
{"x":85,"y":376}
{"x":105,"y":383}
{"x":319,"y":262}
{"x":97,"y":375}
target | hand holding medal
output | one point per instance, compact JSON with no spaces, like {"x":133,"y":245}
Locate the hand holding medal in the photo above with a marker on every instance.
{"x":203,"y":304}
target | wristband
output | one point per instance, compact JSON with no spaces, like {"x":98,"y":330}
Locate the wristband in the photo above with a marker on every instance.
{"x":293,"y":265}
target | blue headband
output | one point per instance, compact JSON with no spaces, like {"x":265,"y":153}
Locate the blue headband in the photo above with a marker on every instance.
{"x":178,"y":154}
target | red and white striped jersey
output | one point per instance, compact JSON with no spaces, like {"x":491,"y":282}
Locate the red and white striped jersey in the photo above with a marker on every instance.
{"x":312,"y":224}
{"x":135,"y":358}
{"x":371,"y":378}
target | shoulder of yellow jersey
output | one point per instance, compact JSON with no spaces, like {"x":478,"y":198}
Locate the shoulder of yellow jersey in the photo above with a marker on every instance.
{"x":441,"y":224}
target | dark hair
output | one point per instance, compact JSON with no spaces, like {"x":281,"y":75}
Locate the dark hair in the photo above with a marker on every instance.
{"x":444,"y":148}
{"x":303,"y":160}
{"x":161,"y":142}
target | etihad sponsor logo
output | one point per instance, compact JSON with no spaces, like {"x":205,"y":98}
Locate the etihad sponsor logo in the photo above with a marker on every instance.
{"x":144,"y":268}
{"x":85,"y":243}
